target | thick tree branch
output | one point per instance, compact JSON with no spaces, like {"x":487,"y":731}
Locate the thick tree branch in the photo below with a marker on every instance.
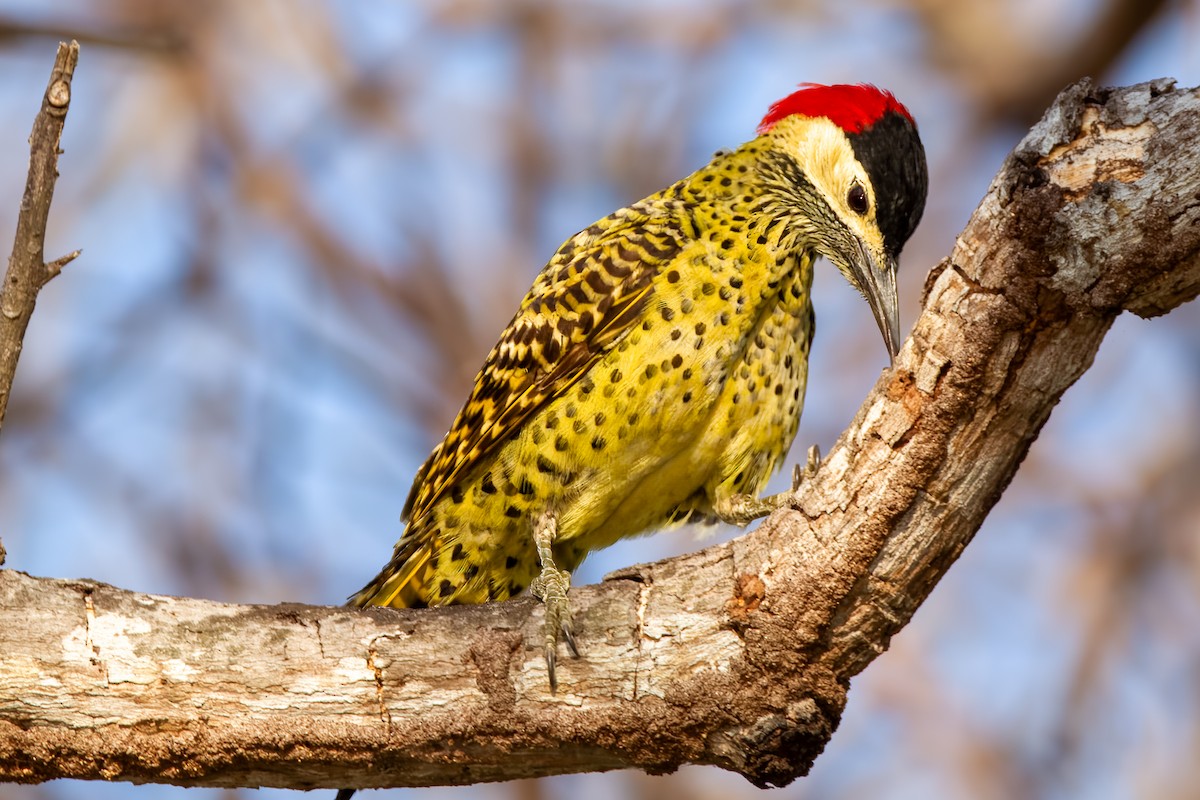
{"x":739,"y":655}
{"x":28,"y":271}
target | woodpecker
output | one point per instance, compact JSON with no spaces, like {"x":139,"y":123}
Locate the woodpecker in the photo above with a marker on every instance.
{"x":655,"y":372}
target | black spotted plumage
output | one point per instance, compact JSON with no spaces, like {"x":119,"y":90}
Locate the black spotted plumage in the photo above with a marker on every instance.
{"x":582,"y":302}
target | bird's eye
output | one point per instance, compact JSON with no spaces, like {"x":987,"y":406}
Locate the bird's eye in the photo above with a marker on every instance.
{"x":857,"y":199}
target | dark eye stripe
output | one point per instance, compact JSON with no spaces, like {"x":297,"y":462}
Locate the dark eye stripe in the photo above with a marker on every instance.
{"x":891,"y":153}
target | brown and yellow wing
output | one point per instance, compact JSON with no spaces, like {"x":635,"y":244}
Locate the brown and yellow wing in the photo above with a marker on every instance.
{"x":590,"y":294}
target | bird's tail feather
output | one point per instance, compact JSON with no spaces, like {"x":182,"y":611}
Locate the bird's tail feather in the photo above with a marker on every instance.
{"x":404,"y":582}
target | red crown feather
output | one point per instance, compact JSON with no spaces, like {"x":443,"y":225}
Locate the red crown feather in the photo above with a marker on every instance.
{"x":852,"y":107}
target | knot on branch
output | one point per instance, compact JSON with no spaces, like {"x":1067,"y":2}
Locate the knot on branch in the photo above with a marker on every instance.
{"x":59,"y":94}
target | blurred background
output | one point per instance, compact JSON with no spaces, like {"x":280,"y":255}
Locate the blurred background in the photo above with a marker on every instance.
{"x":304,"y":224}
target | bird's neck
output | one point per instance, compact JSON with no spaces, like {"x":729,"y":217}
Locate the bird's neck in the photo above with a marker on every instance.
{"x":758,"y":253}
{"x":738,"y":194}
{"x":755,"y":197}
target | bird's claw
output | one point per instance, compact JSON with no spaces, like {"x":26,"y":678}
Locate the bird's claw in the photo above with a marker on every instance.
{"x":808,"y":470}
{"x":550,"y":586}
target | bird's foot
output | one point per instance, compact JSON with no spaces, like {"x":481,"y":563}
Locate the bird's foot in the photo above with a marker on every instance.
{"x":550,"y":586}
{"x":740,"y":509}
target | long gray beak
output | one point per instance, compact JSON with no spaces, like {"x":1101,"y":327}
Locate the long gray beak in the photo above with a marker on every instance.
{"x":876,"y":274}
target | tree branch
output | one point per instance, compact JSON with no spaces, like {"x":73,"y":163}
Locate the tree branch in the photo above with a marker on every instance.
{"x":739,"y":655}
{"x":27,"y":271}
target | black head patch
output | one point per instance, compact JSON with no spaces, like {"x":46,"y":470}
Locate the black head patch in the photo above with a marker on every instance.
{"x":891,"y":152}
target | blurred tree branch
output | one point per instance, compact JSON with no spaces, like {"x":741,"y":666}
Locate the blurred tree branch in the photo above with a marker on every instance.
{"x":739,"y":655}
{"x":1006,"y":68}
{"x":152,"y":40}
{"x":28,"y":271}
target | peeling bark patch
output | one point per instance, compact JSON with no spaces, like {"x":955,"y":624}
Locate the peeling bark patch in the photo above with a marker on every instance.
{"x":748,"y":593}
{"x":933,"y":366}
{"x":903,"y":390}
{"x":107,"y":643}
{"x":1098,"y":154}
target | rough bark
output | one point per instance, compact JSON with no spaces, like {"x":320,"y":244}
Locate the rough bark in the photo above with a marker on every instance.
{"x":739,"y":655}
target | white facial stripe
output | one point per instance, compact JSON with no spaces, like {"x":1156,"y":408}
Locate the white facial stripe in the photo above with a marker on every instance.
{"x":822,"y":151}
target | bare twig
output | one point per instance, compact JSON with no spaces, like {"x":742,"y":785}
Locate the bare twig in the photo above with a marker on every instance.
{"x":740,"y":655}
{"x":27,"y":270}
{"x":53,"y":268}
